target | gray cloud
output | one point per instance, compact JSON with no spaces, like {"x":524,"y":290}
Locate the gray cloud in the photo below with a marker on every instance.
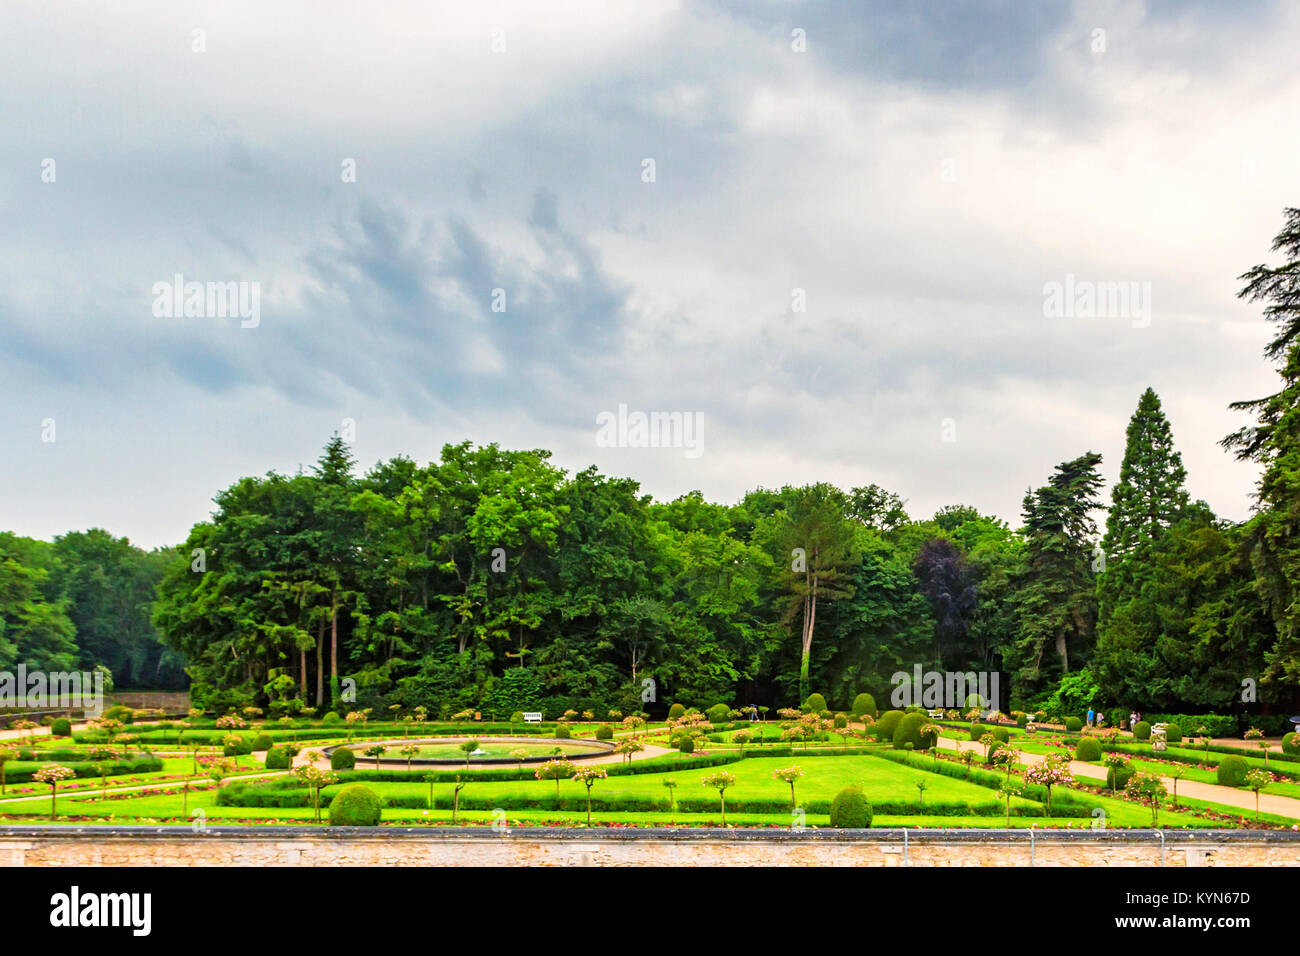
{"x":522,"y":172}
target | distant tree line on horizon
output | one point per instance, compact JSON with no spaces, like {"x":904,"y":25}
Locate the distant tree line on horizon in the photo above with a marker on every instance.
{"x":492,"y":580}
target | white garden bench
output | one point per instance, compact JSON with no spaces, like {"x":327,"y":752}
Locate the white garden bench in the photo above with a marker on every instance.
{"x":532,"y":718}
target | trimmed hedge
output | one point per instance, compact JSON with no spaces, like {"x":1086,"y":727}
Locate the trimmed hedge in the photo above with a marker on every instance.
{"x":815,"y":704}
{"x":343,"y":759}
{"x":1173,"y":733}
{"x":85,"y":769}
{"x":604,"y":732}
{"x":1065,"y":803}
{"x":1073,"y":725}
{"x":1142,"y":730}
{"x":277,"y":758}
{"x":61,"y":727}
{"x":1217,"y":725}
{"x":676,"y":711}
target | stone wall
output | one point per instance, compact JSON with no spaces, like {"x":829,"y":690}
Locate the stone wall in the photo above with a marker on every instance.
{"x":415,"y":846}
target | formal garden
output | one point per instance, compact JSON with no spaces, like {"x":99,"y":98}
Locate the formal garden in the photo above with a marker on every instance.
{"x":805,"y":767}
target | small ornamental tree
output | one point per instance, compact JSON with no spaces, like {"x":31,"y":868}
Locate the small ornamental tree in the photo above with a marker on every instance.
{"x":520,"y":754}
{"x":455,"y":797}
{"x":220,"y":768}
{"x":1257,"y":780}
{"x":587,"y":776}
{"x":556,"y":770}
{"x":720,"y":782}
{"x":377,"y":751}
{"x":355,"y":719}
{"x":987,"y":741}
{"x":1176,"y":773}
{"x":789,"y":775}
{"x":315,"y":779}
{"x":1006,"y":757}
{"x":742,"y":737}
{"x":6,"y":754}
{"x":1049,"y":773}
{"x":409,"y":752}
{"x":103,"y":767}
{"x":1115,"y":764}
{"x":1149,"y":789}
{"x":52,"y":775}
{"x":633,"y":723}
{"x":966,"y":756}
{"x":629,"y":747}
{"x":467,"y":748}
{"x":1008,"y":790}
{"x":670,"y":785}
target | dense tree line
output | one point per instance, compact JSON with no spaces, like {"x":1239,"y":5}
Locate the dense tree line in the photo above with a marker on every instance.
{"x":85,"y":601}
{"x":492,"y":580}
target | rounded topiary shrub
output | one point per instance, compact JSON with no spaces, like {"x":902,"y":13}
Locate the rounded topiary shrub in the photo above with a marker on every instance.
{"x":1173,"y":733}
{"x":977,"y":731}
{"x":517,"y":717}
{"x":330,"y":719}
{"x":356,"y":805}
{"x":1117,"y":778}
{"x":850,"y":809}
{"x":342,"y":759}
{"x":604,"y":732}
{"x":676,"y":712}
{"x":1022,"y":720}
{"x":841,"y":721}
{"x":1142,"y":730}
{"x":262,"y":742}
{"x":1073,"y":725}
{"x":864,"y":704}
{"x":686,"y":744}
{"x":909,"y":732}
{"x":562,"y":732}
{"x":1089,"y":748}
{"x":884,"y":728}
{"x":1291,"y":744}
{"x":62,"y":727}
{"x":719,"y":714}
{"x":815,"y":704}
{"x":1001,"y":735}
{"x":1231,"y":771}
{"x":277,"y":758}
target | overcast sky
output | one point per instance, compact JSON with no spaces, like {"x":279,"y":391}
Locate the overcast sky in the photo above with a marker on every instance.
{"x":918,"y":174}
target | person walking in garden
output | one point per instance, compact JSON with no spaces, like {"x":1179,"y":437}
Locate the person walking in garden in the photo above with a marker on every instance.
{"x":1091,"y":714}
